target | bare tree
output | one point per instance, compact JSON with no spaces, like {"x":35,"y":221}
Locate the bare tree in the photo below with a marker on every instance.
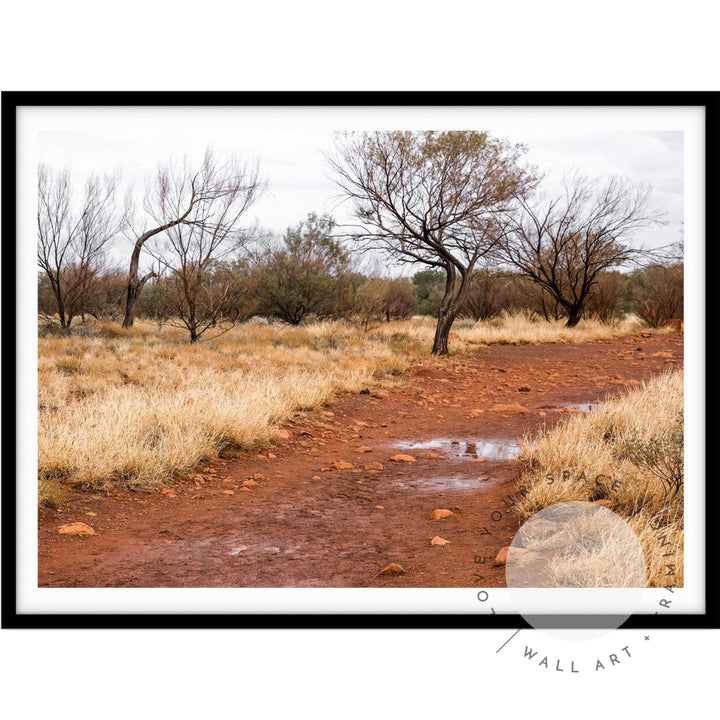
{"x":198,"y":300}
{"x":72,"y":240}
{"x":563,"y":245}
{"x":209,"y":199}
{"x":429,"y":198}
{"x":201,"y":288}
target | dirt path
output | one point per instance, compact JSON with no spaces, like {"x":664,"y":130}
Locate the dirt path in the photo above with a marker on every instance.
{"x":308,"y":524}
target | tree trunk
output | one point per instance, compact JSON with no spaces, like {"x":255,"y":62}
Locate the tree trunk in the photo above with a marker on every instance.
{"x":574,"y":315}
{"x":134,"y":286}
{"x":133,"y":292}
{"x":55,"y":285}
{"x":61,"y":312}
{"x":450,"y":307}
{"x":442,"y":332}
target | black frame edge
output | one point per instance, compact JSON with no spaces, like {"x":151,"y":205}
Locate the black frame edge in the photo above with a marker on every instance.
{"x":11,"y":101}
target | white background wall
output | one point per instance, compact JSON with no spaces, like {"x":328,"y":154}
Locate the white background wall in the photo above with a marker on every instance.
{"x":342,"y":46}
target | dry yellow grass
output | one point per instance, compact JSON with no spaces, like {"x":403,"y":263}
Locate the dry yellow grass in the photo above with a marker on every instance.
{"x":592,"y":548}
{"x":591,"y":457}
{"x":136,"y":407}
{"x":514,"y":329}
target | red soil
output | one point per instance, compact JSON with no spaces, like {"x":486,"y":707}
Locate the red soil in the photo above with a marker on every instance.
{"x":307,"y":524}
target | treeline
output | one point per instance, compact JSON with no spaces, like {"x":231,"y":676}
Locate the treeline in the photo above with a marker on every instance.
{"x":309,"y":275}
{"x":654,"y":294}
{"x":461,"y":204}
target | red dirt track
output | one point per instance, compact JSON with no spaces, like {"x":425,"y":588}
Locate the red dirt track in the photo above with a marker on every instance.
{"x":292,"y":530}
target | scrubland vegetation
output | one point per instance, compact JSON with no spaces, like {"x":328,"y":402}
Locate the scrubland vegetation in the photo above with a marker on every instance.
{"x":628,"y":453}
{"x":228,"y":330}
{"x":135,"y":407}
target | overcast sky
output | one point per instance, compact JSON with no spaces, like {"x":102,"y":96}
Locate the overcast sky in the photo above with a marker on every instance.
{"x":288,"y":142}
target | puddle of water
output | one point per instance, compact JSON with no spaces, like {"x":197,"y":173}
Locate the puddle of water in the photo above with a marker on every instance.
{"x":583,"y":407}
{"x":460,"y":449}
{"x":445,"y":483}
{"x":256,"y":549}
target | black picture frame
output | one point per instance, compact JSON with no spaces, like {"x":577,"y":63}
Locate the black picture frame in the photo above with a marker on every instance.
{"x":11,"y":101}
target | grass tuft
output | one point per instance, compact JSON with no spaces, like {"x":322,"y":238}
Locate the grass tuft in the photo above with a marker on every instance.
{"x":621,"y":453}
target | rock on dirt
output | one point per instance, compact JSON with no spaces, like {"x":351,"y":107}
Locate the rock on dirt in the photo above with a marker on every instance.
{"x":343,"y":465}
{"x":403,"y":458}
{"x":437,"y":540}
{"x":76,"y":528}
{"x":510,"y":408}
{"x":363,"y":449}
{"x":392,"y":569}
{"x":435,"y":456}
{"x":373,"y":466}
{"x":502,"y":556}
{"x":441,"y":513}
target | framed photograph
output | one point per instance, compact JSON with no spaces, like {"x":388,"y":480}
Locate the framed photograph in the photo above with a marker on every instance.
{"x":357,"y":360}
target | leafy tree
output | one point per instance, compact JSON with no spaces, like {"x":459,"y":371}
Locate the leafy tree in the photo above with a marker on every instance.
{"x":153,"y":303}
{"x":429,"y":286}
{"x":605,"y":300}
{"x":657,"y":293}
{"x":307,"y":275}
{"x":369,"y":301}
{"x":483,"y":300}
{"x":382,"y":299}
{"x":400,"y":299}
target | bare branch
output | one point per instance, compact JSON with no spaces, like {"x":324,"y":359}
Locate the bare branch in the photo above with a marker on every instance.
{"x":429,"y":198}
{"x":563,"y":245}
